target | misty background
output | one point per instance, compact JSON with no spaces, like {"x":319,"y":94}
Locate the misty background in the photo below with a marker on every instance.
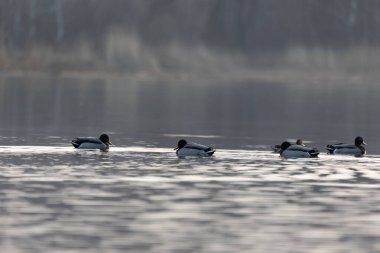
{"x":239,"y":74}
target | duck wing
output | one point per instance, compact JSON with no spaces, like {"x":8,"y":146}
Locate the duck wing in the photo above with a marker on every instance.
{"x":80,"y":140}
{"x":300,"y":148}
{"x":343,"y":145}
{"x":198,"y":147}
{"x":339,"y":146}
{"x":313,"y":152}
{"x":195,"y":149}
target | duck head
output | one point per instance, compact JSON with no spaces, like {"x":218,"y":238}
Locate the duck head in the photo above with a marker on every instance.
{"x":359,"y":141}
{"x":285,"y":145}
{"x":299,"y":142}
{"x":181,"y":144}
{"x":105,"y":139}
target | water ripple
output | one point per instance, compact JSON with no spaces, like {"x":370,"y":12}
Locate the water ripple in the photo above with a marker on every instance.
{"x":57,"y":199}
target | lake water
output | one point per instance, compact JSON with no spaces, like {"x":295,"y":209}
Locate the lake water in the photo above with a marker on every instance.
{"x":143,"y":199}
{"x":228,"y":113}
{"x":139,"y":197}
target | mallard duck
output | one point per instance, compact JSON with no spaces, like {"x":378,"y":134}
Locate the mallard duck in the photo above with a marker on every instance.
{"x":277,"y":148}
{"x":193,"y":149}
{"x":102,"y":143}
{"x":356,"y":149}
{"x":289,"y":150}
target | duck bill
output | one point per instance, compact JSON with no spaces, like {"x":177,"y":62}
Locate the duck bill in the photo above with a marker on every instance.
{"x":365,"y":144}
{"x":175,"y":148}
{"x":109,"y":143}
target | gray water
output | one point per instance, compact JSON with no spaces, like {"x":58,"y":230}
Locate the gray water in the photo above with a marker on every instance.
{"x":227,"y":113}
{"x":139,"y":197}
{"x":144,"y":199}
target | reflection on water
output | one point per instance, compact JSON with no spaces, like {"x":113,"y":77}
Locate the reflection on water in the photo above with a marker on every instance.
{"x":229,"y":114}
{"x":57,"y":199}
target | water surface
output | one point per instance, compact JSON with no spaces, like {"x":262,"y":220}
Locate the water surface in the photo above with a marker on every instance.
{"x":140,"y":197}
{"x":145,"y":199}
{"x":228,"y":113}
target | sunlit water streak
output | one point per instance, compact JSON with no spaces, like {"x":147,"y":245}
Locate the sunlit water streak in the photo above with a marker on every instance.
{"x":58,"y":199}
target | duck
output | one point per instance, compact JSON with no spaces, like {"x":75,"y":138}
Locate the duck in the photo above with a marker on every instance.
{"x":102,"y":143}
{"x":289,"y":150}
{"x":277,"y":148}
{"x":193,"y":149}
{"x":356,"y":149}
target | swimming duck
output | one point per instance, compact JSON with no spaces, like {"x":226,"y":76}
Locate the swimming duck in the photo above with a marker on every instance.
{"x":102,"y":143}
{"x":193,"y":149}
{"x":277,"y":148}
{"x":348,"y":149}
{"x":297,"y":151}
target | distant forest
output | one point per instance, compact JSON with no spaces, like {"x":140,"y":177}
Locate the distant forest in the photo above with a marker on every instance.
{"x":244,"y":26}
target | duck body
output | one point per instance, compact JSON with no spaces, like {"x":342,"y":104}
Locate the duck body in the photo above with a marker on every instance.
{"x":344,"y":149}
{"x":297,"y":151}
{"x":193,"y":149}
{"x":357,"y":149}
{"x":277,"y":148}
{"x":101,"y":143}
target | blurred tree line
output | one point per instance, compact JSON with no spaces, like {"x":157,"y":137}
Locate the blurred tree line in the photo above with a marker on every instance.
{"x":246,"y":26}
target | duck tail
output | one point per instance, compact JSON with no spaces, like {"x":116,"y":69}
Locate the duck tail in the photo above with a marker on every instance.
{"x":330,"y":149}
{"x":210,"y":151}
{"x":314,"y":153}
{"x":75,"y":143}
